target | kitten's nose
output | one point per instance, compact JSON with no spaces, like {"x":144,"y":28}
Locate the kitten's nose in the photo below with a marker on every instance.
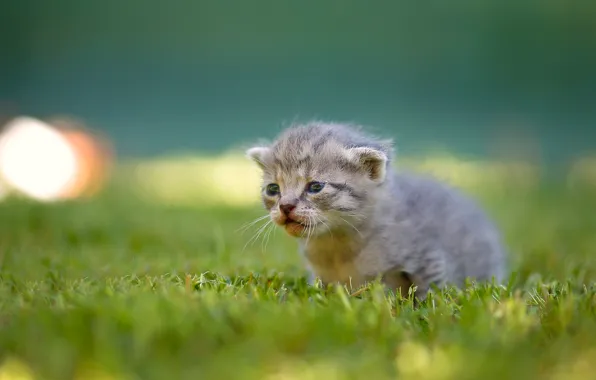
{"x":286,"y":208}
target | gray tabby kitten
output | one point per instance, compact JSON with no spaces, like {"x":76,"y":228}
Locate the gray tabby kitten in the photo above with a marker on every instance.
{"x":332,"y":187}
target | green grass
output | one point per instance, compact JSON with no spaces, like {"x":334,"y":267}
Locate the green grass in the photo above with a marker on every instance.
{"x":122,"y":288}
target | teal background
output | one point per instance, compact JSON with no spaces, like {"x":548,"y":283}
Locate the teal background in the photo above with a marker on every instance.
{"x":161,"y":77}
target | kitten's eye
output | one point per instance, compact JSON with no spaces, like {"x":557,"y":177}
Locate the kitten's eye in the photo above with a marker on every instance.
{"x":272,"y":189}
{"x":315,"y":187}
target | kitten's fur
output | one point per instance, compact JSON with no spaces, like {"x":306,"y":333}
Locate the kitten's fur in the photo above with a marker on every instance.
{"x":369,"y":221}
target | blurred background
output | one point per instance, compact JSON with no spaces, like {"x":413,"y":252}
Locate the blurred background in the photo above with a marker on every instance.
{"x":507,"y":81}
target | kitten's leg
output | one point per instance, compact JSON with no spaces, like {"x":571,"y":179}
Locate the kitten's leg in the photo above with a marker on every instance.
{"x":427,"y":272}
{"x":311,"y":277}
{"x":431,"y":271}
{"x":312,"y":280}
{"x":397,"y":280}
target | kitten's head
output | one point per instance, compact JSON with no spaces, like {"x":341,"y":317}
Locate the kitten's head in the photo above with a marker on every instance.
{"x":320,"y":177}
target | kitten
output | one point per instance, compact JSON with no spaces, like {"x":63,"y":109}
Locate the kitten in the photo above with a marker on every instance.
{"x":332,"y":187}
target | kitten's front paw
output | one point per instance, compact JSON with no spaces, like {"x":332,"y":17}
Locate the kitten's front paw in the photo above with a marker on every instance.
{"x":397,"y":281}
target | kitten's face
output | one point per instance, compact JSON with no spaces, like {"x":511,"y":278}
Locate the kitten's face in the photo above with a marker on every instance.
{"x":312,"y":189}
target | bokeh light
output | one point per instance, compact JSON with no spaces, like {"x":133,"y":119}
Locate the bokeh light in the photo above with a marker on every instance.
{"x":36,"y":159}
{"x":94,"y":157}
{"x":47,"y":163}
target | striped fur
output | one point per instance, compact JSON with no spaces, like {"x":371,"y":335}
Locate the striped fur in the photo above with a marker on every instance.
{"x":369,"y":221}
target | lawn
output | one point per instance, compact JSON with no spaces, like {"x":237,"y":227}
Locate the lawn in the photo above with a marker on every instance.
{"x":161,"y":284}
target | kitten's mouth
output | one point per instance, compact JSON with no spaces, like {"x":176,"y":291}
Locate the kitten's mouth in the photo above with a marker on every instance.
{"x":295,"y":228}
{"x":290,"y":220}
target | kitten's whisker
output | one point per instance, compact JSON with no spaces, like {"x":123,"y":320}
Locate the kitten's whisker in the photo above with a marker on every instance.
{"x":246,"y":228}
{"x":351,"y":225}
{"x":255,"y":237}
{"x":247,"y":225}
{"x":271,"y":231}
{"x":261,"y":235}
{"x":357,"y":216}
{"x":266,"y":237}
{"x":262,"y":230}
{"x":309,"y":229}
{"x":320,"y":220}
{"x":250,"y":223}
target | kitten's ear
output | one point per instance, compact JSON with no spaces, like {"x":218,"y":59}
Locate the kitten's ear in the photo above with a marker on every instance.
{"x":258,"y":154}
{"x":373,"y":161}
